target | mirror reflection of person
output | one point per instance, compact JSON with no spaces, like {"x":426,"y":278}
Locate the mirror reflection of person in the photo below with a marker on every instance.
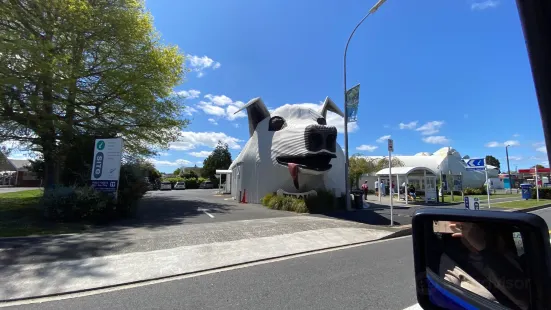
{"x":486,"y":264}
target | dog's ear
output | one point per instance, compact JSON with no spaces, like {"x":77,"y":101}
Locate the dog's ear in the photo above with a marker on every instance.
{"x":329,"y":105}
{"x":256,"y":111}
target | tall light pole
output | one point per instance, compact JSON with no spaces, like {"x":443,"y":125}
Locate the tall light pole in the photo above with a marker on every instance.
{"x":508,"y":169}
{"x":346,"y":163}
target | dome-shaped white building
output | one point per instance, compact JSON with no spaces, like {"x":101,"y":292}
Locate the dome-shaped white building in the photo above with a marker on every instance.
{"x":448,"y":161}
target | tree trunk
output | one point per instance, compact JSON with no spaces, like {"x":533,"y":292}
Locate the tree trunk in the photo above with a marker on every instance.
{"x":51,"y":172}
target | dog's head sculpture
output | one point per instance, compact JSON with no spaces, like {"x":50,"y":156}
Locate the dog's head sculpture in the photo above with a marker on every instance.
{"x":291,"y":149}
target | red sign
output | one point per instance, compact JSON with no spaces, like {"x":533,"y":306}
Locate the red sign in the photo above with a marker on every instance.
{"x":533,"y":170}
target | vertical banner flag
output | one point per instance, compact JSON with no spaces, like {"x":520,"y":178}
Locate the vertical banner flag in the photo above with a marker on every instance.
{"x":352,"y":101}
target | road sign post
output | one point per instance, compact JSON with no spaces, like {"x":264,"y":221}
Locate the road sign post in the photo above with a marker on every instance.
{"x":472,"y":203}
{"x":390,"y":150}
{"x":479,"y":164}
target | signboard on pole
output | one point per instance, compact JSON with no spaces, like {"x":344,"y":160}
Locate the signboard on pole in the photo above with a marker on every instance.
{"x":472,"y":203}
{"x":352,"y":102}
{"x":475,"y":164}
{"x":107,"y":164}
{"x":390,"y":145}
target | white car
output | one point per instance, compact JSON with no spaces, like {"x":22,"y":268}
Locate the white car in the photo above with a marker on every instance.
{"x":180,"y":185}
{"x":166,"y":186}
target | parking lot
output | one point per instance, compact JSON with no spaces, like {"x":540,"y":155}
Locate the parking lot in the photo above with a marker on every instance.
{"x":198,"y":206}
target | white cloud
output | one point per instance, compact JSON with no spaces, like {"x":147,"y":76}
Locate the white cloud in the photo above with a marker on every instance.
{"x":436,"y":140}
{"x":162,"y":153}
{"x":201,"y":154}
{"x":333,"y":119}
{"x":213,"y":121}
{"x":222,"y":106}
{"x":219,"y":100}
{"x":365,"y":147}
{"x":383,"y":139}
{"x":189,"y":94}
{"x":410,"y":125}
{"x":190,"y":140}
{"x":504,"y":144}
{"x":430,"y":128}
{"x":538,"y":144}
{"x":199,"y":64}
{"x":511,"y":143}
{"x":168,"y":163}
{"x":516,"y":135}
{"x":515,"y":158}
{"x":189,"y":110}
{"x":236,"y":125}
{"x":542,"y":149}
{"x":478,"y":6}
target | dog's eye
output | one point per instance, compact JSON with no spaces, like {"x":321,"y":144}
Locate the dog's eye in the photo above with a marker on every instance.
{"x":322,"y":121}
{"x":276,"y":123}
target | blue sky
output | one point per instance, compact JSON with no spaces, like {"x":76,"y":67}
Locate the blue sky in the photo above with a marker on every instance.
{"x":433,"y":73}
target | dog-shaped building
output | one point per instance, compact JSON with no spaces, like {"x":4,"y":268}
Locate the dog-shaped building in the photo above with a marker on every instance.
{"x":290,"y":151}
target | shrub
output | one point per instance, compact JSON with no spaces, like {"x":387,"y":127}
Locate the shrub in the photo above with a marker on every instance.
{"x":264,"y":201}
{"x":70,"y":204}
{"x":475,"y":191}
{"x":545,"y":193}
{"x":75,"y":203}
{"x":323,"y":202}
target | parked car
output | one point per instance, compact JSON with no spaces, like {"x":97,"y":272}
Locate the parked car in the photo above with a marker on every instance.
{"x":206,"y":184}
{"x":180,"y":185}
{"x":166,"y":186}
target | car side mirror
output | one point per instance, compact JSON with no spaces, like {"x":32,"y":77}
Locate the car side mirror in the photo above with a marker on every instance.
{"x":468,"y":259}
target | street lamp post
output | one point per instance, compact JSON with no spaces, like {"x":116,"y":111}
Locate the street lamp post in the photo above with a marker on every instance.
{"x":508,"y":168}
{"x":346,"y":163}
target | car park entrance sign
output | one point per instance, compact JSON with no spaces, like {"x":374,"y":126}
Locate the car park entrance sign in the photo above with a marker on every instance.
{"x":107,"y":164}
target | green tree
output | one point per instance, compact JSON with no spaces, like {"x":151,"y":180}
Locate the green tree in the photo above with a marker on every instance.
{"x":220,"y":158}
{"x":360,"y":165}
{"x":178,"y":171}
{"x":490,"y":160}
{"x":539,"y":166}
{"x":190,"y":174}
{"x":97,"y":67}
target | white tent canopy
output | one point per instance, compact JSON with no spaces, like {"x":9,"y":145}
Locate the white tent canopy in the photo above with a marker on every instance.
{"x":403,"y":171}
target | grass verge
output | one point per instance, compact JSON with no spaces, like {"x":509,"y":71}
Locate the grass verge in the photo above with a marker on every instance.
{"x":522,"y":204}
{"x":20,"y":215}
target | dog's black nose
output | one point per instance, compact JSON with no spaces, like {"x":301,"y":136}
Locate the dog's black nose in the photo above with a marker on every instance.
{"x":320,"y":137}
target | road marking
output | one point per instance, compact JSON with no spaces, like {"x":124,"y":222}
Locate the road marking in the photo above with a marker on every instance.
{"x":205,"y":211}
{"x":185,"y":276}
{"x":414,"y":307}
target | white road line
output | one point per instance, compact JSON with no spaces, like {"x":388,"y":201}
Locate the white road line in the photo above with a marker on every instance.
{"x":205,"y":211}
{"x":414,"y":307}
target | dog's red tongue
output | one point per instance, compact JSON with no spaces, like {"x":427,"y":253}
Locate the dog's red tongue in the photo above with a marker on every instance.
{"x":293,"y":170}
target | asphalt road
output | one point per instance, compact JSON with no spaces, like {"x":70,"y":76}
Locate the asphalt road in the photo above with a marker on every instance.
{"x":374,"y":276}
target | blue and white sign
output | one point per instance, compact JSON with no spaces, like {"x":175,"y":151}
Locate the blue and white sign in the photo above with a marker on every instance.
{"x":475,"y":164}
{"x":107,"y":164}
{"x":472,"y":203}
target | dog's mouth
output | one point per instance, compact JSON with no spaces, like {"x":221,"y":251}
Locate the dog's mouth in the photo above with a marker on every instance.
{"x":314,"y":162}
{"x":317,"y":162}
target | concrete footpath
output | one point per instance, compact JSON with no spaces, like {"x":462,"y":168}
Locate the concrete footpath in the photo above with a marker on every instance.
{"x":219,"y":245}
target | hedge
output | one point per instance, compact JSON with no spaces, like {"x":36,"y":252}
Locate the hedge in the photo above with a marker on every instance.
{"x":323,"y":202}
{"x":545,"y":193}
